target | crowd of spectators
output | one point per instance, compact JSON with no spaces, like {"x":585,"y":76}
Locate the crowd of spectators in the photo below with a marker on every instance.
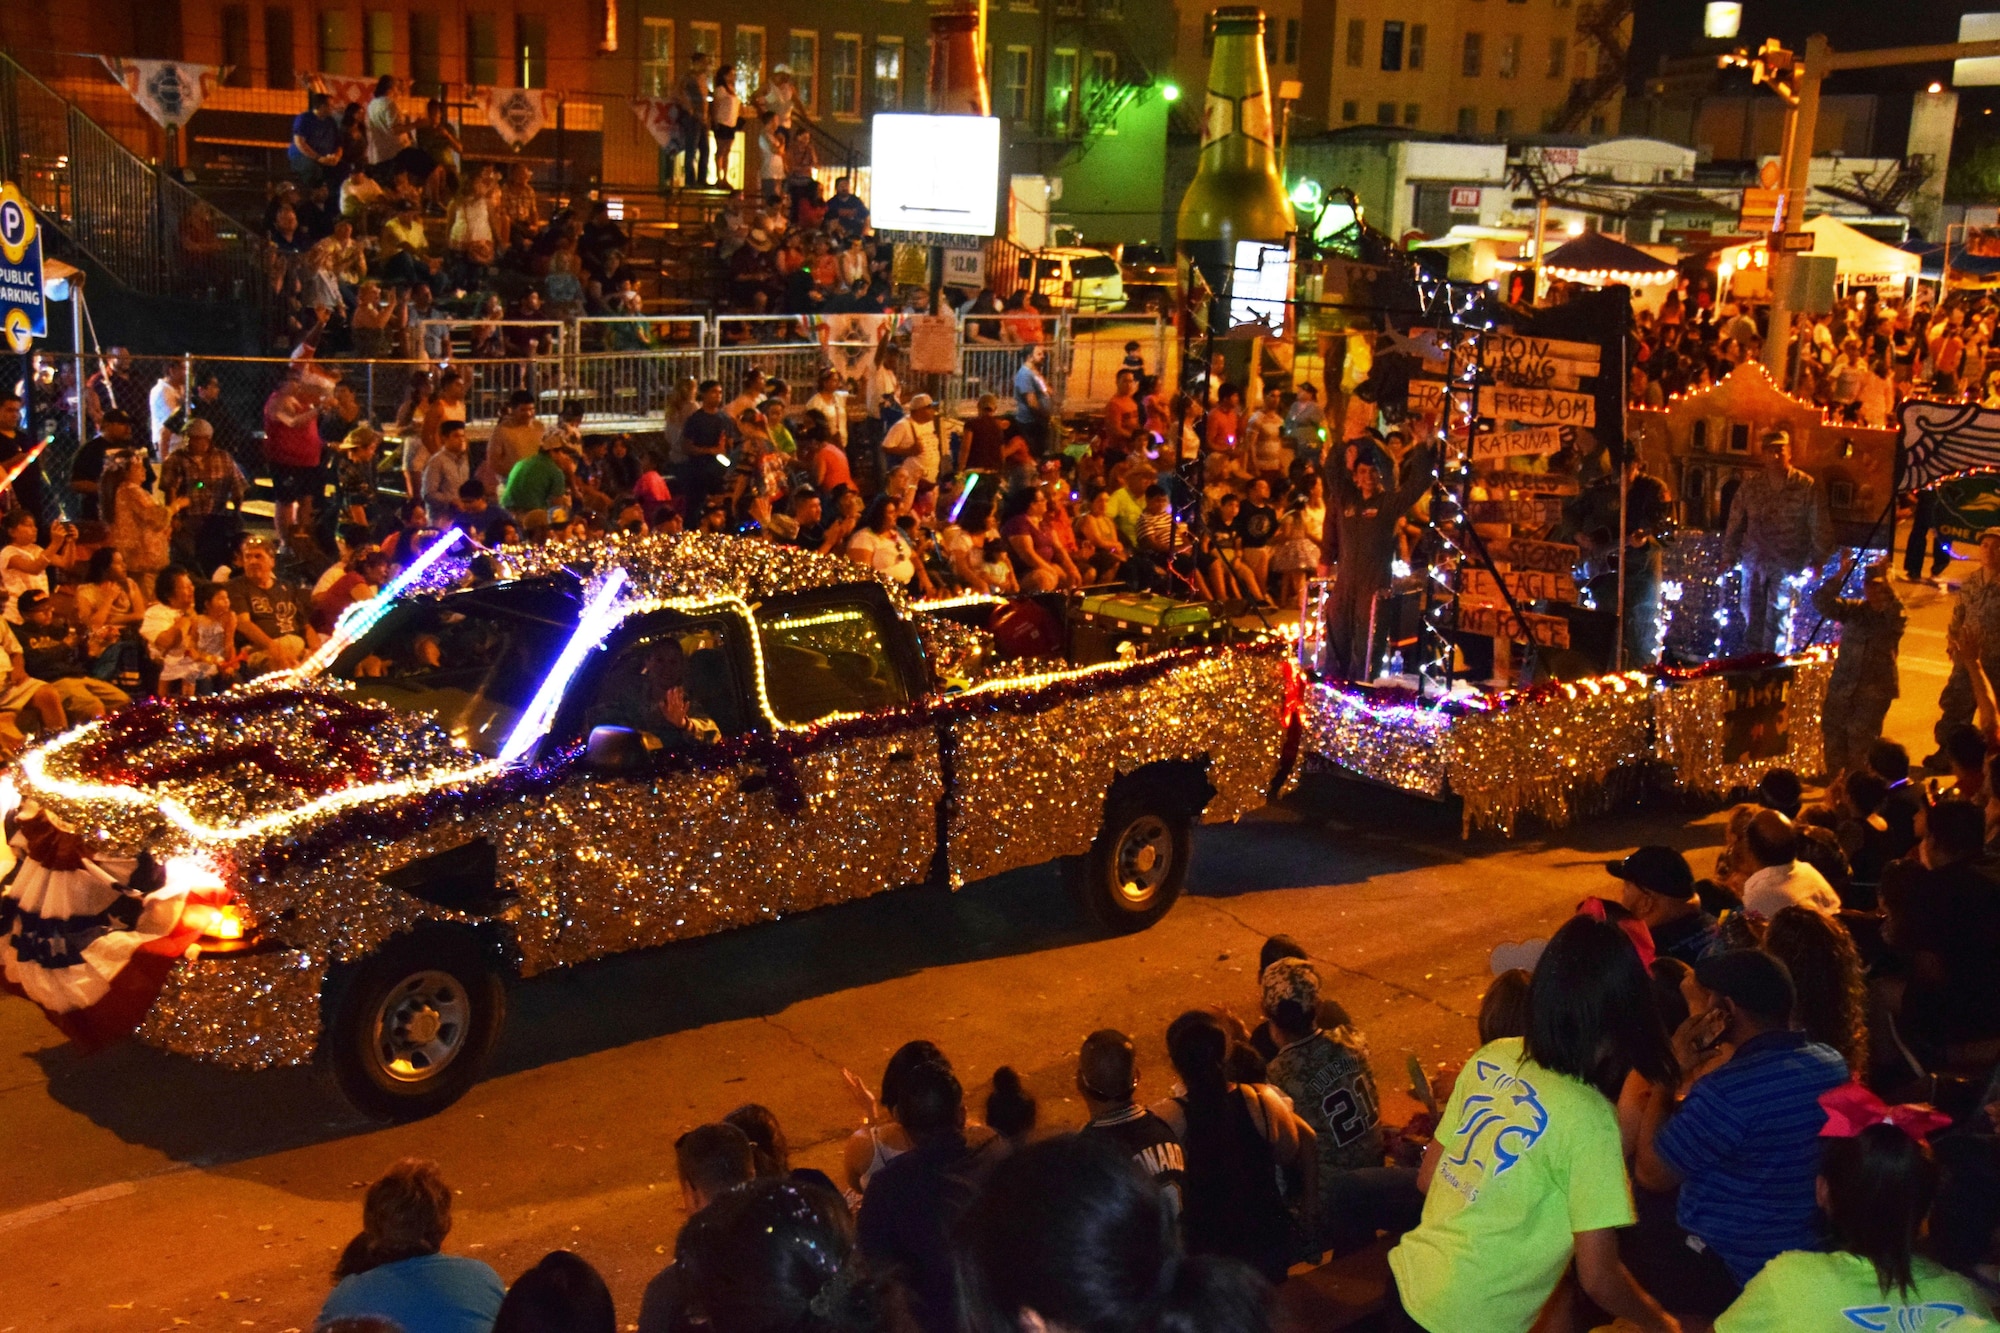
{"x":386,"y":224}
{"x":1672,"y":1120}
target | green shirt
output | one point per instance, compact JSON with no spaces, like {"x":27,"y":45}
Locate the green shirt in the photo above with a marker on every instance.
{"x":1800,"y":1292}
{"x":1124,"y":509}
{"x":781,"y":437}
{"x":532,"y":484}
{"x":1530,"y":1158}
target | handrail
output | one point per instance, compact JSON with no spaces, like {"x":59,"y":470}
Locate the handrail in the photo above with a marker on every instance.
{"x":121,"y":212}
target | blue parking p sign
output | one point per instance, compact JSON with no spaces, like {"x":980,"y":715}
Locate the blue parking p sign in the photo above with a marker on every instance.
{"x":24,"y":311}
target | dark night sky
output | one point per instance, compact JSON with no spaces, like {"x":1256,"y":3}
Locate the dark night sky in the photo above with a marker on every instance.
{"x":1673,"y":27}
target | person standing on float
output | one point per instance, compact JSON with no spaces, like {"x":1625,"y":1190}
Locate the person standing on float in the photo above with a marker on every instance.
{"x":1361,"y":528}
{"x":1779,"y":527}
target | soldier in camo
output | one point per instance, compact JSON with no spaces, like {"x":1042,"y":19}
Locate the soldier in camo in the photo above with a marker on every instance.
{"x":1864,"y":672}
{"x":1779,"y":527}
{"x":1977,"y":609}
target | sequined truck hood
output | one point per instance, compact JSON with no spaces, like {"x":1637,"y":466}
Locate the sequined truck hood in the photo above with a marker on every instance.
{"x":227,"y":773}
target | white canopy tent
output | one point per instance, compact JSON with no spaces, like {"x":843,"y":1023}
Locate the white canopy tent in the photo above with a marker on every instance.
{"x":1859,"y":259}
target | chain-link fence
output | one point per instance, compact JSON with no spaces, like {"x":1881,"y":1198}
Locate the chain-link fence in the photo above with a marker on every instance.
{"x":619,"y":370}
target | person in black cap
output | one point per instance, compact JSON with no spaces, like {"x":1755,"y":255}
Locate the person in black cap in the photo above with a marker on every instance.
{"x":114,"y":436}
{"x":1659,"y":890}
{"x":1743,"y":1145}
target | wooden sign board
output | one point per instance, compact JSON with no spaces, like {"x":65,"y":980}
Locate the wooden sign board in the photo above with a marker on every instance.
{"x":1535,"y":442}
{"x":1526,"y":585}
{"x":1550,"y":557}
{"x":1496,"y":622}
{"x":1528,"y":511}
{"x":1426,"y":397}
{"x":1517,"y":360}
{"x":1538,"y":406}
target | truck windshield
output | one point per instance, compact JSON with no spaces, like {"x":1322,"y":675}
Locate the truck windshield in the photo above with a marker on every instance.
{"x":470,"y":663}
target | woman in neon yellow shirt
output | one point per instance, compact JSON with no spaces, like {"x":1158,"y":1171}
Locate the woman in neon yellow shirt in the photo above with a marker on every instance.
{"x":1527,"y":1171}
{"x":1876,"y":1189}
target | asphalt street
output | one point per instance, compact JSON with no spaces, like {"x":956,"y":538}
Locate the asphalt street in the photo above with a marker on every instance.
{"x":141,"y":1191}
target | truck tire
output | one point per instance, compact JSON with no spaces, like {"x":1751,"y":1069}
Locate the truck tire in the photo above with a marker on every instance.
{"x":413,"y":1024}
{"x":1135,"y":869}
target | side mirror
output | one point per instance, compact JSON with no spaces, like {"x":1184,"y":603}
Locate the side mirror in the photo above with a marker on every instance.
{"x":615,"y":750}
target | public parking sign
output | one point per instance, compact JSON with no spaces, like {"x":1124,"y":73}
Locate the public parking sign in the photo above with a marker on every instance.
{"x":23,"y":310}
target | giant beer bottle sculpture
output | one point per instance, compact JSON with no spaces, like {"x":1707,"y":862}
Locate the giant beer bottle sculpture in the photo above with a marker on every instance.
{"x":1237,"y":193}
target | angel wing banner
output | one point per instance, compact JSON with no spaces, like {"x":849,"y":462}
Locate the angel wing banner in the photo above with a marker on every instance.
{"x":170,"y":91}
{"x":664,"y":120}
{"x":517,"y":115}
{"x":1944,"y":439}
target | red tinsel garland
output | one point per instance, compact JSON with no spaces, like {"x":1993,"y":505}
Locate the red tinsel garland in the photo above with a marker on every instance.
{"x":111,"y":757}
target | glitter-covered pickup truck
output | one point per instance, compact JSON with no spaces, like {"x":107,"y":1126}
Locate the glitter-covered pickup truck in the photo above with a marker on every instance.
{"x":548,"y":755}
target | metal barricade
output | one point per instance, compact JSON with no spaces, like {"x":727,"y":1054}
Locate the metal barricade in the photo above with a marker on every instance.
{"x":1096,"y":350}
{"x":991,"y":349}
{"x":623,"y":367}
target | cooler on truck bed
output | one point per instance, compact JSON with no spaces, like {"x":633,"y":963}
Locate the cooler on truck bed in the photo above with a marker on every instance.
{"x":1101,"y":622}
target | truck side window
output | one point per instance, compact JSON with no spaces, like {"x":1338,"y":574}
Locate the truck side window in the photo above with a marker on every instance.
{"x":674,"y":685}
{"x":821,"y":659}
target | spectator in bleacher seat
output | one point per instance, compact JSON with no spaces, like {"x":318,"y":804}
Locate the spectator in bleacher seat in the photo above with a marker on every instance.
{"x":520,"y":206}
{"x":315,"y":144}
{"x":54,"y":652}
{"x":469,"y":226}
{"x":402,"y":249}
{"x":443,"y":156}
{"x":293,"y":451}
{"x":845,"y":210}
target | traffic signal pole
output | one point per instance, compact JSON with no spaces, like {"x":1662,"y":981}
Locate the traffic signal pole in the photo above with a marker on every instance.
{"x":1818,"y":61}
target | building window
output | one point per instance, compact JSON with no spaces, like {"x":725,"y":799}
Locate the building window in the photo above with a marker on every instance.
{"x":279,"y":71}
{"x":843,"y":89}
{"x":1468,"y":120}
{"x":1413,"y":48}
{"x":1410,"y":114}
{"x":1103,"y":68}
{"x":656,"y":57}
{"x":236,"y":45}
{"x":1509,"y":63}
{"x":1558,"y":56}
{"x":1062,"y":90}
{"x":802,"y":54}
{"x":888,"y":74}
{"x":1385,"y":113}
{"x":482,"y":50}
{"x":336,"y":43}
{"x":749,"y":60}
{"x":1475,"y":55}
{"x":1350,"y":111}
{"x":1357,"y":39}
{"x":1597,"y":124}
{"x":426,"y":54}
{"x":1392,"y":44}
{"x":1503,"y":121}
{"x":705,"y":39}
{"x":379,"y":26}
{"x":1017,"y":65}
{"x":1291,"y":41}
{"x":531,"y":50}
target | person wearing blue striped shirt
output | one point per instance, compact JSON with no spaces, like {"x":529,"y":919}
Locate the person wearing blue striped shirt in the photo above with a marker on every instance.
{"x":1739,"y":1138}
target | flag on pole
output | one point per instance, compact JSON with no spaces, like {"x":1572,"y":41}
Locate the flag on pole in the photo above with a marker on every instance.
{"x":517,"y":114}
{"x":664,"y":119}
{"x":170,"y":91}
{"x":345,"y":90}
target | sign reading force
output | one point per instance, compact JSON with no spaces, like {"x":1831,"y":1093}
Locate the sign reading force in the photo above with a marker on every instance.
{"x":23,"y":309}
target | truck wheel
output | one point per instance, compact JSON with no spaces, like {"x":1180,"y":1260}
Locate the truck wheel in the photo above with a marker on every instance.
{"x":1135,"y":869}
{"x":414,"y":1024}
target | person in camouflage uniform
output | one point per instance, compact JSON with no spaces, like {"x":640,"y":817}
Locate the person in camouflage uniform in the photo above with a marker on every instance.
{"x":1977,"y":609}
{"x":1779,"y":527}
{"x":1864,"y":671}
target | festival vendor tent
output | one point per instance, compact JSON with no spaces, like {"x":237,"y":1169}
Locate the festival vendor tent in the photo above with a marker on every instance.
{"x":1597,"y":260}
{"x":1703,"y":440}
{"x":1859,"y":260}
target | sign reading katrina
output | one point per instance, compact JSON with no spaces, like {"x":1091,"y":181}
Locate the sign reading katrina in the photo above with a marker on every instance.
{"x":24,"y":310}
